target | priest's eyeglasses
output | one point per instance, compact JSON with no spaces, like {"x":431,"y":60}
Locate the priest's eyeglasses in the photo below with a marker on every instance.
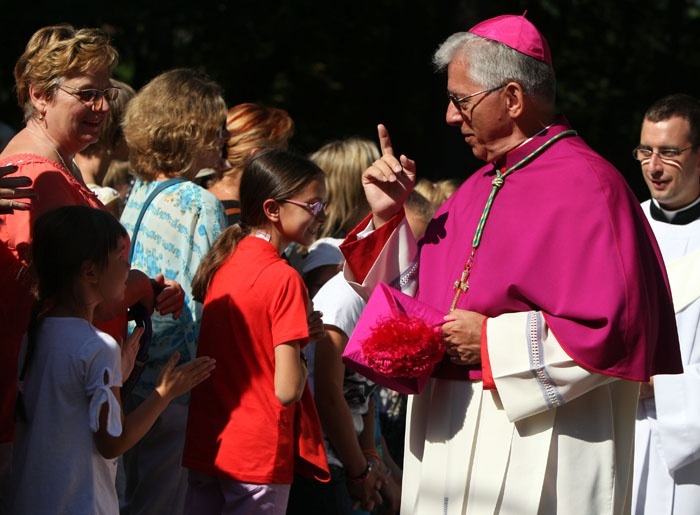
{"x":315,"y":208}
{"x":667,"y":154}
{"x":461,"y":103}
{"x":92,"y":97}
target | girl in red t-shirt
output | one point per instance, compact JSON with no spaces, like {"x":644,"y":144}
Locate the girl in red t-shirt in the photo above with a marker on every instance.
{"x":254,"y":424}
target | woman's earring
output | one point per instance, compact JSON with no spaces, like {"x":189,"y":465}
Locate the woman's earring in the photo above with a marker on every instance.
{"x":41,"y":117}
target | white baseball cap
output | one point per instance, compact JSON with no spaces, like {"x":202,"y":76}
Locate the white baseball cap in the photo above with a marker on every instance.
{"x":324,"y":251}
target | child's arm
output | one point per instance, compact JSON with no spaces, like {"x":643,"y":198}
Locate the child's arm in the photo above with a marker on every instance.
{"x":391,"y":465}
{"x":391,"y":489}
{"x":172,"y":382}
{"x":333,"y":409}
{"x":316,"y":328}
{"x":159,"y":294}
{"x":138,"y":289}
{"x":130,"y":349}
{"x":290,"y":372}
{"x":336,"y":419}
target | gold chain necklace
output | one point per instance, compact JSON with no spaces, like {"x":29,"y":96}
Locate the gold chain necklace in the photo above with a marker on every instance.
{"x":71,"y":170}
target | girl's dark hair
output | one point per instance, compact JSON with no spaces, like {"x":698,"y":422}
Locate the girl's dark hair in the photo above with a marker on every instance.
{"x":270,"y":174}
{"x":62,"y":240}
{"x":66,"y":237}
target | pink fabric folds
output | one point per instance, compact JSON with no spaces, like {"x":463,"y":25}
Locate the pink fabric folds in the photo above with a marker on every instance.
{"x":397,"y":341}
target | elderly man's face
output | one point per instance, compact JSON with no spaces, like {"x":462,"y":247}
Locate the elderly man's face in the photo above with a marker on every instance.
{"x":482,"y":119}
{"x":674,"y":182}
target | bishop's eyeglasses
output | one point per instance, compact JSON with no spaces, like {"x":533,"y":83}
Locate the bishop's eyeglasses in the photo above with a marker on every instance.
{"x":461,"y":103}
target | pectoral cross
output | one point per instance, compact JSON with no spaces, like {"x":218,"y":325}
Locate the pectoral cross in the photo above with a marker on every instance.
{"x":463,"y":283}
{"x":460,"y":286}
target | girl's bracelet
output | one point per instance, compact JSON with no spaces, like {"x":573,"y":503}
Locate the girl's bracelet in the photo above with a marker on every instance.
{"x":372,"y":453}
{"x":363,"y":476}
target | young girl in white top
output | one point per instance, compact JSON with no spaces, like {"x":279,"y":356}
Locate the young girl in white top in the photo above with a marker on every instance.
{"x":71,"y":427}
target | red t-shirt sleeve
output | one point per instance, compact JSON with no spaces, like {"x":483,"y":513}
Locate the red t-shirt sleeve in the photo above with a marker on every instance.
{"x":289,"y":310}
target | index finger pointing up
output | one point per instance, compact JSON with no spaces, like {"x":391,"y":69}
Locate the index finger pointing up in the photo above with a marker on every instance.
{"x":385,"y":140}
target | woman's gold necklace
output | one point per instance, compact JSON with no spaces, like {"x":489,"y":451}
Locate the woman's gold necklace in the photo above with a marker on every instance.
{"x":40,"y":136}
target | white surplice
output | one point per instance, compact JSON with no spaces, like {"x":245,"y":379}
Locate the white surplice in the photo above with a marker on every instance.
{"x":667,"y":447}
{"x":553,"y":438}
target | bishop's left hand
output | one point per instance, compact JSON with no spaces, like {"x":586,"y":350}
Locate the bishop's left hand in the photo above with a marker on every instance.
{"x":462,"y":334}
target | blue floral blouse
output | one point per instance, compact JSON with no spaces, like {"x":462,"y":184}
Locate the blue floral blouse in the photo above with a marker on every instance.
{"x":177,"y":231}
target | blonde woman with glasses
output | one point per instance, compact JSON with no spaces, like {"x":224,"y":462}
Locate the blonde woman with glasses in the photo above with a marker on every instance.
{"x":63,"y":86}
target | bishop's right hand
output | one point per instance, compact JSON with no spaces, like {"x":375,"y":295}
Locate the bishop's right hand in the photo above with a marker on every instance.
{"x":388,"y":181}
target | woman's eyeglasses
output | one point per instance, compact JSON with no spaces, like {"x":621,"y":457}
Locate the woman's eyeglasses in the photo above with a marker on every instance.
{"x":91,"y":96}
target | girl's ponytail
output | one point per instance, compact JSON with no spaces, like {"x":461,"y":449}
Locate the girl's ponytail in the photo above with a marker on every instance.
{"x":224,"y":245}
{"x":270,"y":174}
{"x":32,"y":329}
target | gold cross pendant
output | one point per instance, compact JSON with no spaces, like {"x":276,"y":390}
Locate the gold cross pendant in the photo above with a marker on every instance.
{"x":463,"y":282}
{"x":461,"y":285}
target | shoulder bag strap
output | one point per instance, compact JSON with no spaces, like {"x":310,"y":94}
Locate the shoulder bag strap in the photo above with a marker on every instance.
{"x":154,"y":194}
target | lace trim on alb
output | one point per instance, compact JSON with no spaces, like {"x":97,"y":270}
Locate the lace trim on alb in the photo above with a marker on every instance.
{"x":537,"y":365}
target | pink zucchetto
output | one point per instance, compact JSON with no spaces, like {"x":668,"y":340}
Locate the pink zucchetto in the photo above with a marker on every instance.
{"x":517,"y":33}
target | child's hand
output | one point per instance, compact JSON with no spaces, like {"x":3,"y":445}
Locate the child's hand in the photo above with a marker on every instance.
{"x":316,"y":330}
{"x":391,"y":497}
{"x":129,"y":351}
{"x":173,"y":382}
{"x":366,"y":494}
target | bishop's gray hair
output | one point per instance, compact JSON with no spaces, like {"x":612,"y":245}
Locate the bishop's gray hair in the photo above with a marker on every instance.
{"x":491,"y":64}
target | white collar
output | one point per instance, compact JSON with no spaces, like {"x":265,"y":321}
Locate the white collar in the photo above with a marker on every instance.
{"x":671,"y":213}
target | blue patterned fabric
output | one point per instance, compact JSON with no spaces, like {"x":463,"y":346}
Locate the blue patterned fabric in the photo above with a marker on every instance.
{"x":177,"y":230}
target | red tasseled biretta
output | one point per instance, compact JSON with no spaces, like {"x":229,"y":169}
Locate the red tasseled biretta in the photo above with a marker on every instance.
{"x":403,"y":347}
